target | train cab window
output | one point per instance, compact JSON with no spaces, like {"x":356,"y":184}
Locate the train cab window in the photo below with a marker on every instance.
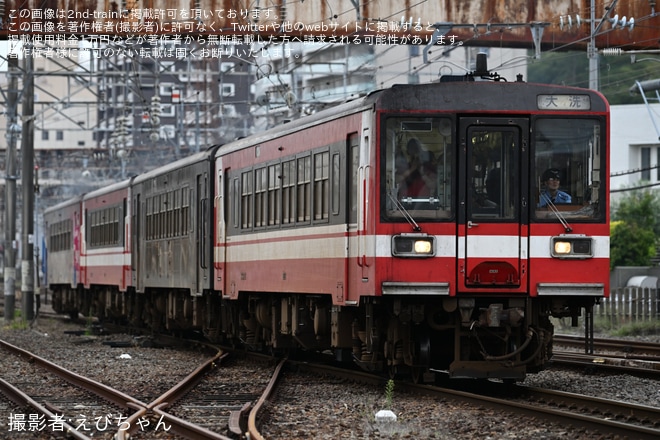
{"x":417,"y":163}
{"x":568,"y":169}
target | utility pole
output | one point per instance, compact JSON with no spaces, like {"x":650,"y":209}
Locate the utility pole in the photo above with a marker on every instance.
{"x":10,"y":191}
{"x":27,"y":181}
{"x":592,"y":51}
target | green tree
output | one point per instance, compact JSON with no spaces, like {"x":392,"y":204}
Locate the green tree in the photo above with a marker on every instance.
{"x":635,"y":228}
{"x":617,"y":73}
{"x":640,"y":207}
{"x":630,"y":245}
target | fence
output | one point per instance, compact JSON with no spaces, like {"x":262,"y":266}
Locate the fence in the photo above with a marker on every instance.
{"x":629,"y":305}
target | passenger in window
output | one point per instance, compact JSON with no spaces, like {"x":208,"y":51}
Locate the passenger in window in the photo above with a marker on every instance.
{"x":551,"y":193}
{"x":418,"y":179}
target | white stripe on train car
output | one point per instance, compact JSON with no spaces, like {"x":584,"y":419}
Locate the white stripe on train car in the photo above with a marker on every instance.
{"x":539,"y":246}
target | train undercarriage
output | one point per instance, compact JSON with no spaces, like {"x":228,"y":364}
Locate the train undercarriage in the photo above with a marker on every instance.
{"x":474,"y":337}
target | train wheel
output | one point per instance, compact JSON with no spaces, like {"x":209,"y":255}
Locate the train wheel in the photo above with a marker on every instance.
{"x":421,"y":359}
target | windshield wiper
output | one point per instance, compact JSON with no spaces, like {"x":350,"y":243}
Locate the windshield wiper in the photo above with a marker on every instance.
{"x":409,"y":218}
{"x":558,"y":214}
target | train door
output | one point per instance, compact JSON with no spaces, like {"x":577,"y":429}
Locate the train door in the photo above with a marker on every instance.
{"x":219,"y":225}
{"x":136,"y":240}
{"x":354,"y":271}
{"x":494,"y":227}
{"x":203,"y":241}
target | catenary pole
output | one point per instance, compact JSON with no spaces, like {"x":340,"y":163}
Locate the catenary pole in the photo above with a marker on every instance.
{"x":27,"y":181}
{"x":10,"y":192}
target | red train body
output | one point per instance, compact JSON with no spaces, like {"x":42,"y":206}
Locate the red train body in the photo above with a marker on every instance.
{"x":409,"y":230}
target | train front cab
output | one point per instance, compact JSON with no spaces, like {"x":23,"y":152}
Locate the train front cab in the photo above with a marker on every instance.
{"x":480,"y":259}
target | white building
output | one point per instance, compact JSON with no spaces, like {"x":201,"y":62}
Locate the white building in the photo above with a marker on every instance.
{"x":635,"y":146}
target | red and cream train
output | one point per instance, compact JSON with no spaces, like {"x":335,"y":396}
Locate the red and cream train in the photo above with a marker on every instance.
{"x":410,"y":230}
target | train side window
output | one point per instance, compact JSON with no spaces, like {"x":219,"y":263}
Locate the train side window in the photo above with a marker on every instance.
{"x":336,"y":185}
{"x":93,"y":226}
{"x":147,"y":219}
{"x":52,"y":239}
{"x":303,"y":189}
{"x":288,"y":187}
{"x":236,"y":199}
{"x":177,"y":214}
{"x":185,"y":210}
{"x":354,"y":163}
{"x":274,"y":194}
{"x":260,"y":197}
{"x":158,"y":208}
{"x":321,"y":185}
{"x":168,"y":214}
{"x":246,"y":200}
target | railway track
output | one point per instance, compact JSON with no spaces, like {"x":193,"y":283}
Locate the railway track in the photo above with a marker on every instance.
{"x":204,"y":404}
{"x":67,"y":393}
{"x":607,"y":417}
{"x":615,"y":356}
{"x":175,"y":412}
{"x":631,"y":348}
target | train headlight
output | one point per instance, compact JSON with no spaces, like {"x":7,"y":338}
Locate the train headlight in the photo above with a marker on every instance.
{"x":562,"y":247}
{"x":413,"y":245}
{"x":572,"y":246}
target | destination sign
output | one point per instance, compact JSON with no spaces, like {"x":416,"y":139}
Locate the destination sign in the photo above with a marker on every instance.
{"x":563,"y":102}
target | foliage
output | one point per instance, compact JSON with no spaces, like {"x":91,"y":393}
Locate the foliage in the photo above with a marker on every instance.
{"x":617,"y":73}
{"x":640,"y":207}
{"x":634,"y":229}
{"x":639,"y":329}
{"x":389,"y":392}
{"x":630,"y":244}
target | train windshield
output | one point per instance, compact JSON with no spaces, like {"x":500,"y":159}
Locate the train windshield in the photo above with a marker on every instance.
{"x":418,"y":168}
{"x":569,"y":161}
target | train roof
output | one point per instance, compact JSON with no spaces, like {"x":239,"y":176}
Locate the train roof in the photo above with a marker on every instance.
{"x":340,"y":110}
{"x":62,"y":205}
{"x":477,"y":96}
{"x":108,"y":189}
{"x":197,"y":157}
{"x":452,"y":96}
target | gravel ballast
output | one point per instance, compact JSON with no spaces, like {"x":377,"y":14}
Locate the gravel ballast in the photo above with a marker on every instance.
{"x":305,"y":407}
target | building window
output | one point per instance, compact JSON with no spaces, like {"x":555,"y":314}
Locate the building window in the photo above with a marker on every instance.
{"x":646,"y":163}
{"x":227,"y":89}
{"x":44,"y":135}
{"x":59,"y":135}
